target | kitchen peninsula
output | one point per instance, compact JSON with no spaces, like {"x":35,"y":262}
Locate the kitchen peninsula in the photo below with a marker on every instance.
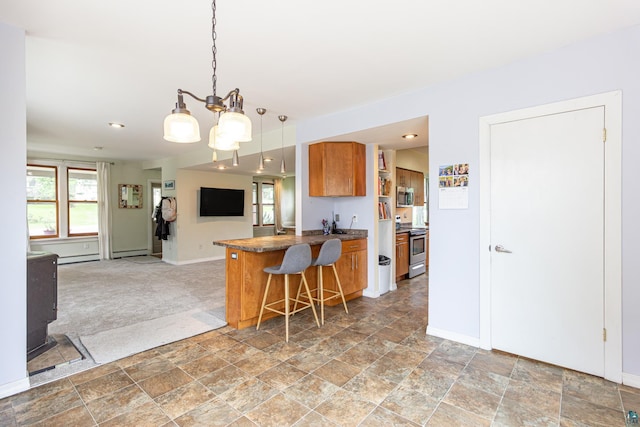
{"x":246,"y":280}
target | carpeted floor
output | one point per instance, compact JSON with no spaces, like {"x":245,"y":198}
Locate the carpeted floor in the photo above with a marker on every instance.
{"x":102,"y":298}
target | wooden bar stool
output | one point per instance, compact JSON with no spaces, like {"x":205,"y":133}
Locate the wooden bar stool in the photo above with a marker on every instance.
{"x":296,"y":260}
{"x":330,"y":252}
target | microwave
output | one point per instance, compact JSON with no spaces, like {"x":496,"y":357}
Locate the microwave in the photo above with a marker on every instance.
{"x":404,"y":197}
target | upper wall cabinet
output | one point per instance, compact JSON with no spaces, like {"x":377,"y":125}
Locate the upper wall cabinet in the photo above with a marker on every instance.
{"x":337,"y":169}
{"x":412,"y":179}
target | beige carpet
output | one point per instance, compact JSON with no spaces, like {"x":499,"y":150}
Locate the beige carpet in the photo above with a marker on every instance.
{"x":114,"y":344}
{"x":120,"y":298}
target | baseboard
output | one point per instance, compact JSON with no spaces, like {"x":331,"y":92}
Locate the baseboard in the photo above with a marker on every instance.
{"x":134,"y":252}
{"x":193,"y":261}
{"x":78,"y":258}
{"x":631,"y":380}
{"x":14,"y":388}
{"x":453,"y":336}
{"x":370,"y":294}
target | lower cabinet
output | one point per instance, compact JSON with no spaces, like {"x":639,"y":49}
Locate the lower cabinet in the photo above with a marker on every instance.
{"x":402,"y":254}
{"x":352,"y":270}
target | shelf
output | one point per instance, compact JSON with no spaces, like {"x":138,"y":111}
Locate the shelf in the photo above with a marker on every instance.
{"x":383,"y":171}
{"x":382,"y":195}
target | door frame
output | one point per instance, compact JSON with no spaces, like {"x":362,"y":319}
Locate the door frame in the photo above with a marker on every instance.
{"x":150,"y":209}
{"x":612,"y":101}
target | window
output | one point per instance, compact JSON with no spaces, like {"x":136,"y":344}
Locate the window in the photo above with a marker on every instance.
{"x":263,"y":204}
{"x":42,"y":201}
{"x":268,"y":215}
{"x":254,"y":198}
{"x":83,"y":202}
{"x":61,"y":201}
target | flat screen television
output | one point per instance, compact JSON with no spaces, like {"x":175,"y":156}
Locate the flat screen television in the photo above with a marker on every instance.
{"x":221,"y":202}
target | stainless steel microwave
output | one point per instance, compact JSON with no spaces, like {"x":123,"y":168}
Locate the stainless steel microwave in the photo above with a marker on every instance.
{"x":404,"y":197}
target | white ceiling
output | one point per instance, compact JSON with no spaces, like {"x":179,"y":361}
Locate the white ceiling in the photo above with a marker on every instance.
{"x":93,"y":62}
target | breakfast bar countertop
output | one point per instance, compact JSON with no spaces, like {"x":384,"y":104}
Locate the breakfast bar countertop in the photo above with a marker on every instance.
{"x":276,"y":243}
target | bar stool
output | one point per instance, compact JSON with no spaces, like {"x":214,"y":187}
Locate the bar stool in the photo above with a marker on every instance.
{"x":296,"y":260}
{"x":330,"y":252}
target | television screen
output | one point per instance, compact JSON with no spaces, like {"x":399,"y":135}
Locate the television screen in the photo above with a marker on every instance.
{"x":221,"y":202}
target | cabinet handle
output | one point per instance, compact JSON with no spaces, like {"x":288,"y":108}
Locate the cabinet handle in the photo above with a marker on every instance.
{"x":356,"y":261}
{"x":352,"y":261}
{"x":350,"y":187}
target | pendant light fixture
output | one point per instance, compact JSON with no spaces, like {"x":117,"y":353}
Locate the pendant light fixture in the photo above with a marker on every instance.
{"x":283,"y":169}
{"x":232,"y":126}
{"x":261,"y":111}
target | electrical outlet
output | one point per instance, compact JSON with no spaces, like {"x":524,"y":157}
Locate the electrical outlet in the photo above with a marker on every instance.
{"x":354,"y":218}
{"x":337,"y":218}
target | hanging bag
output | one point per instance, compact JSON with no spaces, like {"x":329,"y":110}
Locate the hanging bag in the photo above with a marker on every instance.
{"x":169,"y":209}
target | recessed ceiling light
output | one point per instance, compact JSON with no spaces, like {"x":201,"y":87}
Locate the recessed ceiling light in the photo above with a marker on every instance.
{"x":97,"y":148}
{"x":410,"y":136}
{"x":116,"y":125}
{"x":221,"y":167}
{"x":268,"y":159}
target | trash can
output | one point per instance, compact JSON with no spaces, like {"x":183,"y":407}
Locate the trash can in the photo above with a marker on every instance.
{"x":384,"y":273}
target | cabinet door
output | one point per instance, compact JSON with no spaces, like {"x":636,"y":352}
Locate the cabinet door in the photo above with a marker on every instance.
{"x":403,"y":177}
{"x":360,"y":271}
{"x":402,"y":259}
{"x":337,"y":169}
{"x":417,"y":183}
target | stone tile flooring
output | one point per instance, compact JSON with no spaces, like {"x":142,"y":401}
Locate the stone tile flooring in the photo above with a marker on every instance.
{"x":372,"y":367}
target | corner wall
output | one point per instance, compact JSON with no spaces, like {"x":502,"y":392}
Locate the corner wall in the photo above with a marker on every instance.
{"x":13,"y":137}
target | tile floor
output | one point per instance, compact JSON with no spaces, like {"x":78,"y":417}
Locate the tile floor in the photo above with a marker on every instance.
{"x":372,"y":367}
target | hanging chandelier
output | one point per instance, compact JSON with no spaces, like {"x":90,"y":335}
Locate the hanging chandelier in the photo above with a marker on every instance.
{"x":232,"y":126}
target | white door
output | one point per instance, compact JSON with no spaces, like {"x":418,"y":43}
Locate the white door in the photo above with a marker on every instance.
{"x":547,"y":212}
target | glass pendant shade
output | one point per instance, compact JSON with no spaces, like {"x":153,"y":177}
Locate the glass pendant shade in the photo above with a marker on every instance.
{"x":235,"y":126}
{"x":219,"y":142}
{"x":182,"y":128}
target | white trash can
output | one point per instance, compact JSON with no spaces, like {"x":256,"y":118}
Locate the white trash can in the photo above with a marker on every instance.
{"x":384,"y":273}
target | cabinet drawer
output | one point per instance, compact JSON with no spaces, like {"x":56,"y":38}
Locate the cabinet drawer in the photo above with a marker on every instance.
{"x":402,"y":237}
{"x":354,"y":245}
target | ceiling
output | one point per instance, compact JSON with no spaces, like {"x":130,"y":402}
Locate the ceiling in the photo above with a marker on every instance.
{"x":94,"y":62}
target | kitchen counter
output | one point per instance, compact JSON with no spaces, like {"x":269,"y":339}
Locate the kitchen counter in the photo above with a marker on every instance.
{"x":276,"y":243}
{"x":245,"y":279}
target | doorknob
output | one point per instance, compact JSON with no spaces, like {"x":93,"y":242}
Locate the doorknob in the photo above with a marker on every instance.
{"x":499,"y":248}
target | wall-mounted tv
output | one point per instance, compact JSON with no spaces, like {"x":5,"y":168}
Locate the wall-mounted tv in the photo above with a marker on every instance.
{"x":221,"y":202}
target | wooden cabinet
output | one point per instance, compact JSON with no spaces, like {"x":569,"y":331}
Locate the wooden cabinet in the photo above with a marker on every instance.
{"x":417,"y":183}
{"x":402,"y":254}
{"x":403,"y":177}
{"x":337,"y":169}
{"x":412,"y":179}
{"x":352,"y":270}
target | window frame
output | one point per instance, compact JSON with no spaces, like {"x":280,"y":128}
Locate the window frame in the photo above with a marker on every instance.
{"x":69,"y":170}
{"x":62,"y":196}
{"x":56,"y":201}
{"x":258,"y":205}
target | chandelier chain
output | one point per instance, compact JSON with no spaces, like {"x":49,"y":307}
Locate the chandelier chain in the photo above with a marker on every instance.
{"x":214,"y":50}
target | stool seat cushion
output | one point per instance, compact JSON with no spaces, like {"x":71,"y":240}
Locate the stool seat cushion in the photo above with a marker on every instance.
{"x":296,"y":259}
{"x":330,"y":251}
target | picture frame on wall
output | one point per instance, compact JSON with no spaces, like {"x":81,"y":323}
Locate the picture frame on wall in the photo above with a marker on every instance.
{"x":169,"y":185}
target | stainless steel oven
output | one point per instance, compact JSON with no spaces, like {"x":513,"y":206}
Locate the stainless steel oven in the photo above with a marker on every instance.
{"x":417,"y":251}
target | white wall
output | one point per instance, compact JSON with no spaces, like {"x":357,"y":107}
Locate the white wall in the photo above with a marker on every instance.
{"x":192,"y":234}
{"x":13,"y":137}
{"x":602,"y":64}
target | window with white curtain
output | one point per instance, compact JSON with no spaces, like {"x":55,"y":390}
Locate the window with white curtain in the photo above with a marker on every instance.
{"x":62,"y":201}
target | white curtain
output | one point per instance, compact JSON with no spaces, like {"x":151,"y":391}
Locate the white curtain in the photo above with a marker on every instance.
{"x":277,"y":208}
{"x":104,"y":210}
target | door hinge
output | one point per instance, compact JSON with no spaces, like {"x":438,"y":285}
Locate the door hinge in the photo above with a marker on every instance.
{"x":604,"y":334}
{"x":604,"y":134}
